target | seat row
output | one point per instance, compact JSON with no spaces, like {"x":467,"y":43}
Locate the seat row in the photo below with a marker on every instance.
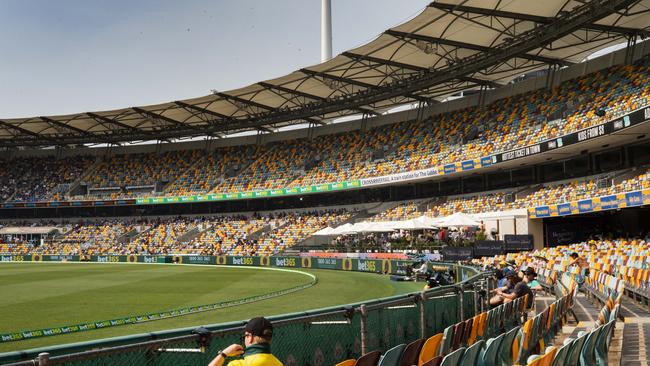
{"x":502,"y":336}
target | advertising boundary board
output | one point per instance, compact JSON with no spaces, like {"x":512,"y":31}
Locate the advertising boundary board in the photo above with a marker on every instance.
{"x":615,"y":125}
{"x":594,"y":204}
{"x":281,"y":262}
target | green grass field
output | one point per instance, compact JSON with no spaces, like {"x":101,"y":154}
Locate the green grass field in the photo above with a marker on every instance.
{"x":40,"y":295}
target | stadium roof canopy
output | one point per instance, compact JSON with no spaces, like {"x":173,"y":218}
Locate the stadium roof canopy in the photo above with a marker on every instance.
{"x":452,"y":45}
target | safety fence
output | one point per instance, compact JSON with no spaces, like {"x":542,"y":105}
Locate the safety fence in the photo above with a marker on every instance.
{"x":320,"y":337}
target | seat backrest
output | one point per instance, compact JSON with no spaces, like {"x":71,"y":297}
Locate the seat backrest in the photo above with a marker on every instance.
{"x":411,"y":353}
{"x":534,"y":360}
{"x":349,"y":362}
{"x":573,"y":357}
{"x":549,"y":355}
{"x":481,"y":331}
{"x":430,"y":349}
{"x":588,"y":354}
{"x":447,"y":340}
{"x":436,"y":361}
{"x":488,"y":325}
{"x":467,"y":331}
{"x":602,"y":342}
{"x":542,"y":360}
{"x":489,"y":355}
{"x":470,"y":358}
{"x":614,"y":313}
{"x":505,"y":349}
{"x":369,"y":359}
{"x":459,"y":331}
{"x":561,"y":354}
{"x":473,"y":334}
{"x":453,"y":359}
{"x":392,"y":356}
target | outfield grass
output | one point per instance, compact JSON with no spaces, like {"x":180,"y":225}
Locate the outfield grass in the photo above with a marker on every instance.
{"x":53,"y":294}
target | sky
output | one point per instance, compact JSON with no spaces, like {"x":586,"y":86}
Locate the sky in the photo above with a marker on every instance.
{"x":69,"y":56}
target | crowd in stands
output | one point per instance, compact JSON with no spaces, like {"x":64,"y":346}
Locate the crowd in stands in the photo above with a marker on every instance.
{"x":500,"y":201}
{"x":401,"y":211}
{"x":406,"y":146}
{"x":200,"y":235}
{"x":32,"y":179}
{"x":215,"y":168}
{"x":298,"y":227}
{"x":133,"y":170}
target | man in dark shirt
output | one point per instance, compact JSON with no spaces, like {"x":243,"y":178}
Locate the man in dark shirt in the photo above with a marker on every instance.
{"x":499,"y":297}
{"x":522,"y":289}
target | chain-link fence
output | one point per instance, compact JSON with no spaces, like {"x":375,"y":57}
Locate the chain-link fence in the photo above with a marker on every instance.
{"x":317,"y":338}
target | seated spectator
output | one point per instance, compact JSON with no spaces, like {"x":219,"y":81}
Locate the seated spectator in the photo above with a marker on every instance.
{"x":500,"y":292}
{"x":522,"y":289}
{"x":534,"y":284}
{"x":257,"y":341}
{"x":579,"y":261}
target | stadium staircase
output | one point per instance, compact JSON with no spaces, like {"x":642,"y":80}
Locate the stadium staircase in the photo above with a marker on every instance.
{"x":527,"y":191}
{"x":310,"y":243}
{"x":629,"y":174}
{"x":384,"y":206}
{"x":128,"y":236}
{"x":11,"y":197}
{"x":188,"y":236}
{"x":258,"y":233}
{"x":84,"y":177}
{"x":182,"y":174}
{"x":436,"y":201}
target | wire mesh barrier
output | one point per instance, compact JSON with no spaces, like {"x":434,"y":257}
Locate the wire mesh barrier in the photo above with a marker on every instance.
{"x":322,"y":337}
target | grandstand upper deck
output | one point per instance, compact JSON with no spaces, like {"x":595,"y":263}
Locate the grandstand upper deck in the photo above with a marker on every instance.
{"x":473,"y":132}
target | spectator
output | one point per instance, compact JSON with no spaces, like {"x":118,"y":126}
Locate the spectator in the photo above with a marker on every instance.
{"x":534,"y":284}
{"x":500,"y":292}
{"x":522,"y":289}
{"x":579,"y":261}
{"x":257,"y":340}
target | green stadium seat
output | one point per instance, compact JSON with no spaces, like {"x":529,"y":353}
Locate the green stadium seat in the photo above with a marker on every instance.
{"x":453,"y":359}
{"x":602,"y":343}
{"x":505,"y":348}
{"x":573,"y":356}
{"x":588,"y":353}
{"x":471,"y":356}
{"x":561,"y":353}
{"x":392,"y":356}
{"x":490,"y":354}
{"x":447,"y":340}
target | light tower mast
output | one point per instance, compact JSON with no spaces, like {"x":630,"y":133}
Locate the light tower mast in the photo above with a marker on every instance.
{"x":326,"y":30}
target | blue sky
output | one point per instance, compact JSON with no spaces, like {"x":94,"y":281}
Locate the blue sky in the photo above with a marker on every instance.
{"x":68,"y":56}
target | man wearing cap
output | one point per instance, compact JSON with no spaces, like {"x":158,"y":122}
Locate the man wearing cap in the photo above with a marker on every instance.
{"x":257,"y":340}
{"x":522,"y":288}
{"x":498,"y":298}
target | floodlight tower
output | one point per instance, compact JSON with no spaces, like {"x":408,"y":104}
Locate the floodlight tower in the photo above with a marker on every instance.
{"x":326,"y":30}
